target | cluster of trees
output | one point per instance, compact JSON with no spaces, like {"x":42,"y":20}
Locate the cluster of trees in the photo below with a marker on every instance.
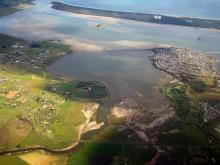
{"x":176,"y":92}
{"x":199,"y":86}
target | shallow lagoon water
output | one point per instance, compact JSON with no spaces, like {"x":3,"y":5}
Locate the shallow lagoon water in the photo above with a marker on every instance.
{"x":126,"y":74}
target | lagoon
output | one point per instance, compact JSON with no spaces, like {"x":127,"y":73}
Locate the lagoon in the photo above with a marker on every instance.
{"x":127,"y":74}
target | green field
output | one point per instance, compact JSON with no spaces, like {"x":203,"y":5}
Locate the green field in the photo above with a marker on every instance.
{"x":87,"y":90}
{"x":29,"y":114}
{"x":42,"y":118}
{"x":176,"y":92}
{"x":110,"y":147}
{"x":187,"y":128}
{"x":27,"y":55}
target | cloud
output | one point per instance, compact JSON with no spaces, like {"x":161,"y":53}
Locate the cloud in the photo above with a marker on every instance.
{"x":138,"y":44}
{"x":81,"y":45}
{"x":107,"y":20}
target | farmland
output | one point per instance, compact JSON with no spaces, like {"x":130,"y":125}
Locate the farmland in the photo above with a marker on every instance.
{"x":33,"y":112}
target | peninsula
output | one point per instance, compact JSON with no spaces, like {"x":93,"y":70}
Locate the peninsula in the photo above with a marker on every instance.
{"x":11,"y":6}
{"x":153,"y":18}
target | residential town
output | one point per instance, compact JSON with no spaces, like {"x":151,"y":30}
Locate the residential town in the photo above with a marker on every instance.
{"x":36,"y":54}
{"x":210,"y":111}
{"x":184,"y":64}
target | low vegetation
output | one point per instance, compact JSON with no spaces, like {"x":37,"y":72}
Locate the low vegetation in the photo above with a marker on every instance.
{"x":87,"y":90}
{"x":176,"y":92}
{"x":35,"y":55}
{"x":188,"y":128}
{"x":110,"y":146}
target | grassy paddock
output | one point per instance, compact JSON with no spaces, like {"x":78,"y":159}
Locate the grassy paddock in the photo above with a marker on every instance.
{"x":54,"y":120}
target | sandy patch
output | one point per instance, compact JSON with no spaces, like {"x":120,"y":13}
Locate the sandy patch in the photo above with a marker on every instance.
{"x":11,"y":94}
{"x":81,"y":45}
{"x":35,"y":158}
{"x":13,"y":132}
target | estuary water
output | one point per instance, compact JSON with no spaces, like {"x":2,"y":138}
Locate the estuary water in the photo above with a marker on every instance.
{"x":127,"y":74}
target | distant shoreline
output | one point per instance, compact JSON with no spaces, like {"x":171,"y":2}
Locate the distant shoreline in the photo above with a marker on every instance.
{"x":152,"y":18}
{"x":13,"y":8}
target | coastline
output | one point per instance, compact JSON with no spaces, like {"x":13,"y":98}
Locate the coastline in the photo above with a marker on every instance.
{"x":4,"y":11}
{"x":152,"y":18}
{"x":153,"y":13}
